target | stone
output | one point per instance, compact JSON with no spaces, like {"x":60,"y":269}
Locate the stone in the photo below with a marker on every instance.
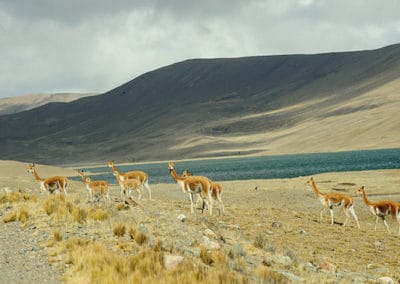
{"x":276,"y":224}
{"x":182,"y":217}
{"x":209,"y":233}
{"x":385,"y":280}
{"x":210,"y":245}
{"x":172,"y":261}
{"x":328,"y":266}
{"x":284,"y":260}
{"x":292,"y":277}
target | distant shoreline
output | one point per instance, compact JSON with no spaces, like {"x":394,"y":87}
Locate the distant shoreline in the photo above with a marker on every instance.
{"x":98,"y":165}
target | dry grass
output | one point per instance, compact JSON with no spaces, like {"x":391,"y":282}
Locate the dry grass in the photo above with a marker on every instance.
{"x":253,"y":249}
{"x":268,"y":275}
{"x":57,"y":236}
{"x":119,"y":230}
{"x":97,"y":214}
{"x":10,"y":217}
{"x":10,"y":197}
{"x":20,"y":214}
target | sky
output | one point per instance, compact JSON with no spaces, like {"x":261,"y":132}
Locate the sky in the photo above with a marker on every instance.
{"x":96,"y":45}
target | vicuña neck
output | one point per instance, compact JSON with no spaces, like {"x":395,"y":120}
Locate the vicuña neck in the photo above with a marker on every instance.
{"x":175,"y":175}
{"x":315,"y":188}
{"x":365,"y":198}
{"x":35,"y":174}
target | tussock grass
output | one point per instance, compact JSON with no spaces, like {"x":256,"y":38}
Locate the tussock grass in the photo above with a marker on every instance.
{"x":10,"y":217}
{"x":62,"y":208}
{"x":23,"y":215}
{"x":20,"y":214}
{"x":94,"y":263}
{"x":10,"y":197}
{"x":267,"y":275}
{"x":139,"y":236}
{"x":56,"y":205}
{"x":97,"y":214}
{"x":119,"y":230}
{"x":57,"y":236}
{"x":78,"y":214}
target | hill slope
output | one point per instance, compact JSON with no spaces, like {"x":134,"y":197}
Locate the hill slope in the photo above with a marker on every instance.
{"x":21,"y":103}
{"x":214,"y":107}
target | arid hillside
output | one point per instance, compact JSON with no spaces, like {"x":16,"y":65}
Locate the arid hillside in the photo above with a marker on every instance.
{"x":21,"y":103}
{"x":222,"y":107}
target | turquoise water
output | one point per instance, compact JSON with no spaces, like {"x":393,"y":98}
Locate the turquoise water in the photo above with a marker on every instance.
{"x":281,"y":166}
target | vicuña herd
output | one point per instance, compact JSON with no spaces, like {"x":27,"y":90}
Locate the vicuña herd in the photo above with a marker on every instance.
{"x":209,"y":192}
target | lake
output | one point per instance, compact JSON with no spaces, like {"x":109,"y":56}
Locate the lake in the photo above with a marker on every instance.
{"x":266,"y":167}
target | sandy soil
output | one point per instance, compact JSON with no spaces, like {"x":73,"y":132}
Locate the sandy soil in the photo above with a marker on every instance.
{"x":282,"y":212}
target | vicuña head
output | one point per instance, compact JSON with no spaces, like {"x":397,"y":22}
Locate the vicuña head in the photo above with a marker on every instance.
{"x":186,"y":173}
{"x":309,"y":181}
{"x":361,"y":190}
{"x":31,"y":168}
{"x":171,"y":166}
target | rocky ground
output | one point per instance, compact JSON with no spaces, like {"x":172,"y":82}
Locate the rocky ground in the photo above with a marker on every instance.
{"x":273,"y":231}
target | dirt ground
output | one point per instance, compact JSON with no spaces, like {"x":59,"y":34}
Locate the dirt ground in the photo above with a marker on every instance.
{"x":275,"y":226}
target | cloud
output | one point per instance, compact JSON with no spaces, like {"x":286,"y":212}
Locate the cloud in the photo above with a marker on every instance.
{"x":96,"y":45}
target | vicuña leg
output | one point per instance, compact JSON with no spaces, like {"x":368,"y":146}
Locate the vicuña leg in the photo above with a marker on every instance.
{"x":146,"y":184}
{"x":353,"y":213}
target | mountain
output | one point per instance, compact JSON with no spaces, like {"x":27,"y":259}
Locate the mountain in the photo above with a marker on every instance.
{"x":221,"y":107}
{"x":21,"y":103}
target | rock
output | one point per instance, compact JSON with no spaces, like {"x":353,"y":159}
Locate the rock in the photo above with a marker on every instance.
{"x":182,"y":217}
{"x":292,"y":277}
{"x":385,"y":279}
{"x":209,"y":233}
{"x":276,"y":224}
{"x":172,"y":261}
{"x":237,"y":250}
{"x":225,"y":225}
{"x":302,"y":232}
{"x":284,"y":260}
{"x":192,"y":252}
{"x":328,"y":266}
{"x":210,"y":245}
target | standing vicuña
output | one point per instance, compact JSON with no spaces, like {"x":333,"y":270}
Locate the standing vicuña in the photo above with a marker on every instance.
{"x":99,"y":187}
{"x":127,"y":185}
{"x":331,"y":199}
{"x":141,"y":176}
{"x":49,"y":184}
{"x":381,"y":209}
{"x":216,"y":194}
{"x":193,"y":185}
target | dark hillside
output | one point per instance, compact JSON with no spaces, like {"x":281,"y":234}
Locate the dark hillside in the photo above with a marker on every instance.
{"x":144,"y":118}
